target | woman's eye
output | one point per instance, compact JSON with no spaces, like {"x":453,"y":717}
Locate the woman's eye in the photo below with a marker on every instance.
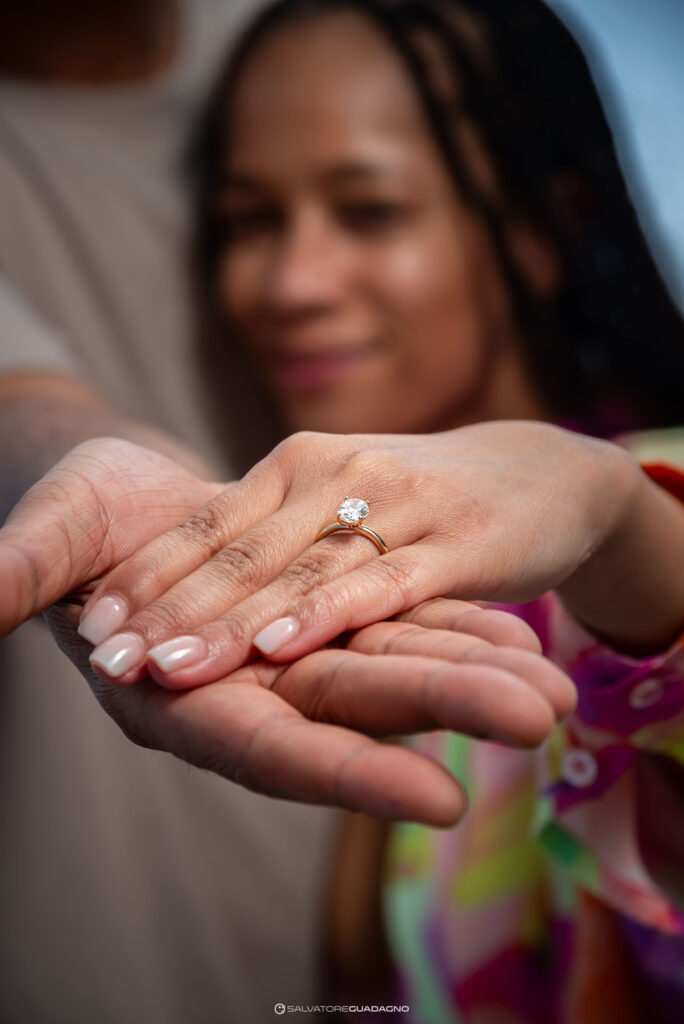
{"x":372,"y":215}
{"x":238,"y":225}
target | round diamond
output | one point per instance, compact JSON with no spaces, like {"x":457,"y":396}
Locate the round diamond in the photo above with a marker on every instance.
{"x":352,"y":511}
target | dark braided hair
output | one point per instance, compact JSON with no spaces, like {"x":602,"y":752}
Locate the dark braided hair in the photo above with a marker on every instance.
{"x":606,"y":353}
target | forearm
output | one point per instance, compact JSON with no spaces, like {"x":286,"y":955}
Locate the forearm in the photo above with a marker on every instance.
{"x":44,"y":415}
{"x":630,"y":592}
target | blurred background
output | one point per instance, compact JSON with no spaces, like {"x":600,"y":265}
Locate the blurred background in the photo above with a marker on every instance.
{"x":635,"y":51}
{"x":211,"y":894}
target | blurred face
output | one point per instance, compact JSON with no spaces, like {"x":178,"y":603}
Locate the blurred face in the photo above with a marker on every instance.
{"x":365,"y":291}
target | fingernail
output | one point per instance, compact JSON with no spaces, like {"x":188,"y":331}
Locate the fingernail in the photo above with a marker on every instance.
{"x":104,"y":618}
{"x":177,"y":653}
{"x":119,"y":654}
{"x":273,"y":636}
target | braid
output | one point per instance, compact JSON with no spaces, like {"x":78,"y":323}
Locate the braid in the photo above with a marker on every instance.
{"x":521,"y":82}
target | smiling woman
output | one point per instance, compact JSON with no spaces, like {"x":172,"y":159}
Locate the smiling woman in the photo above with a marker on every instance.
{"x":362,"y":285}
{"x":413,"y":220}
{"x":410,"y":231}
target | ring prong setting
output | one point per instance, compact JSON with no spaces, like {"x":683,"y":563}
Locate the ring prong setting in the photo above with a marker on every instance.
{"x":352,"y":511}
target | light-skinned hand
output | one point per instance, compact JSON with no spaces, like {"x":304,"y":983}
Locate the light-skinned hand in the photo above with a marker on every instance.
{"x":308,"y":730}
{"x":498,"y":511}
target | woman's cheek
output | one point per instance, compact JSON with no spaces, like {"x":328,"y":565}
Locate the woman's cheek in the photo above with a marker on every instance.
{"x":438,"y":332}
{"x":238,"y":289}
{"x":426,"y":299}
{"x":423,"y":271}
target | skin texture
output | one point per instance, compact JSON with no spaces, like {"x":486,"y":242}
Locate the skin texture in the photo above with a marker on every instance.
{"x":499,"y":510}
{"x":495,"y":511}
{"x":365,"y":311}
{"x":306,"y":730}
{"x":301,"y":731}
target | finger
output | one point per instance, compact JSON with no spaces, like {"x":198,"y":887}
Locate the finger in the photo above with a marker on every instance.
{"x":389,"y":694}
{"x":398,"y":638}
{"x":154,"y":568}
{"x":220,"y":642}
{"x":498,"y":627}
{"x":251,"y":735}
{"x":273,"y":561}
{"x":217,"y":544}
{"x":218,"y":647}
{"x":538,"y":671}
{"x":384,"y":587}
{"x":94,"y":507}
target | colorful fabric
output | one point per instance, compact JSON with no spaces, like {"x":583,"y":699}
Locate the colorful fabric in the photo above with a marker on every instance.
{"x":560,"y":897}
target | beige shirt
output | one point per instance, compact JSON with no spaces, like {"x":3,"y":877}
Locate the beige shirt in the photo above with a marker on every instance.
{"x":133,"y":888}
{"x":94,"y":227}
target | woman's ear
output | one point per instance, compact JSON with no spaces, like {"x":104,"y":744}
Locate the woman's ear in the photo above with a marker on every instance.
{"x":536,"y":257}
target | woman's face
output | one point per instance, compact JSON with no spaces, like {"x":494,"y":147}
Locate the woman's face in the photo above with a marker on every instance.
{"x":365,"y":291}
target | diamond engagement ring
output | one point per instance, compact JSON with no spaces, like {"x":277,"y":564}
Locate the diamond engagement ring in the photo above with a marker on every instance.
{"x":349,"y":517}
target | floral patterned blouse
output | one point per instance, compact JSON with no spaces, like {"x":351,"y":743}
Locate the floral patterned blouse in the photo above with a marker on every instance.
{"x":559,"y":899}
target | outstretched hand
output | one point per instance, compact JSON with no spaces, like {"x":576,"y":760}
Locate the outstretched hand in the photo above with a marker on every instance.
{"x":95,"y":507}
{"x":497,"y":511}
{"x":310,"y":730}
{"x":306,"y":730}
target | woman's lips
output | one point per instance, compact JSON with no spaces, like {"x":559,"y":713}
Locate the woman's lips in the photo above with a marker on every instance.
{"x":308,"y":372}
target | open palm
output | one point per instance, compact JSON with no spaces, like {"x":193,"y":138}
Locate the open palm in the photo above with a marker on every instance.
{"x":306,"y":730}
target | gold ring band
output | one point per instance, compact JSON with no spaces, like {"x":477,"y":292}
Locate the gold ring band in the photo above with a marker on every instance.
{"x":363,"y":530}
{"x":349,"y":516}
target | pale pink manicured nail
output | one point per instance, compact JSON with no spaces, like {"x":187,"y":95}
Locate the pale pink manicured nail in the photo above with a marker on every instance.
{"x":103,"y":618}
{"x":119,"y":654}
{"x":177,"y":653}
{"x":273,"y":636}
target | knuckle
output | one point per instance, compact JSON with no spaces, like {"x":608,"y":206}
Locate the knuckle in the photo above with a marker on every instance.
{"x":138,"y":579}
{"x":236,"y":632}
{"x":246,"y":764}
{"x":369,"y":639}
{"x":399,"y":640}
{"x":307,"y":573}
{"x":324,"y":703}
{"x":231,"y":632}
{"x":427,"y":613}
{"x":312,"y":690}
{"x":243,"y":558}
{"x":346,"y":776}
{"x":435,"y":680}
{"x":320,"y":609}
{"x":297,"y":446}
{"x":163,"y":618}
{"x":206,"y":527}
{"x":216,"y":760}
{"x":307,"y":452}
{"x":479,"y":652}
{"x":397,"y":582}
{"x":32,"y":573}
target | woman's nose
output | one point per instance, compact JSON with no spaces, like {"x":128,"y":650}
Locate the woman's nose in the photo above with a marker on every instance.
{"x":308,"y":268}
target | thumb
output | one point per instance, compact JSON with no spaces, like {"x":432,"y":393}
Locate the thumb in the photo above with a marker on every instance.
{"x":95,"y":507}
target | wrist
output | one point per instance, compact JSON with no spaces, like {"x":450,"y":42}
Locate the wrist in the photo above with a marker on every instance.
{"x":626,"y":591}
